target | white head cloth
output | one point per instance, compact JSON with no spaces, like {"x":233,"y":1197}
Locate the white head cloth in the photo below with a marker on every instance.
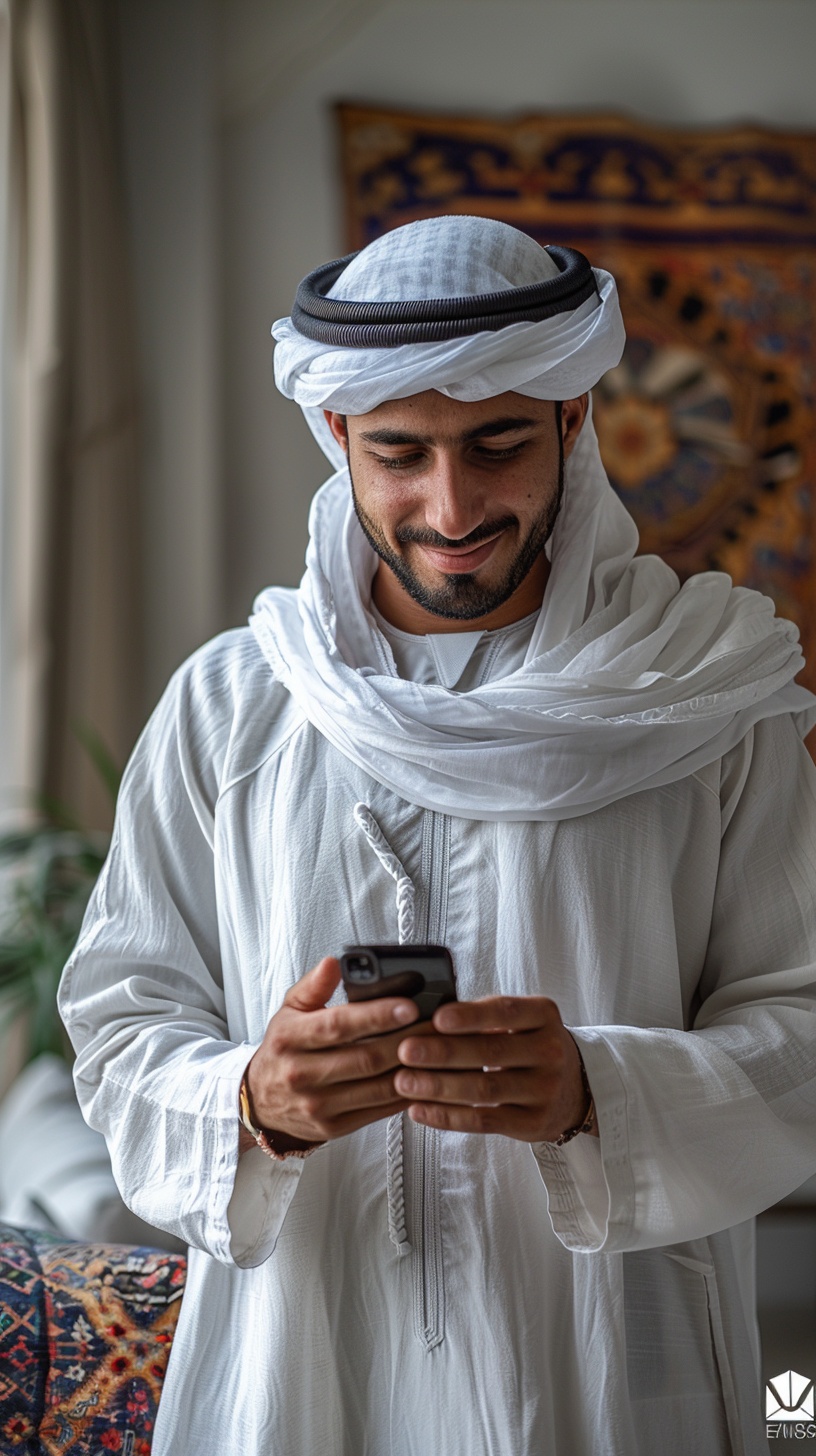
{"x":630,"y":681}
{"x":448,"y":257}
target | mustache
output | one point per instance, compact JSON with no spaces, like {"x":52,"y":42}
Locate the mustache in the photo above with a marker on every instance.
{"x":419,"y":537}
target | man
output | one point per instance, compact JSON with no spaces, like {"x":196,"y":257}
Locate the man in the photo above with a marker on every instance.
{"x":481,"y":722}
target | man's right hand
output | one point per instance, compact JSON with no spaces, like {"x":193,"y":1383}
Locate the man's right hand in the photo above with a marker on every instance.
{"x":314,"y":1077}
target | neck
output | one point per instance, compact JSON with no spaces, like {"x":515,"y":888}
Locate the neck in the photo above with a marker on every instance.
{"x":394,"y":603}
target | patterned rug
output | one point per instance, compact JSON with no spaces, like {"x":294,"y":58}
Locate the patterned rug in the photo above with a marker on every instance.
{"x":85,"y":1335}
{"x":708,"y":427}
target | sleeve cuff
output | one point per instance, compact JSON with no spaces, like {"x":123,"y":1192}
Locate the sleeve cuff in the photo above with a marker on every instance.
{"x":261,"y":1188}
{"x":259,"y":1204}
{"x":589,"y":1181}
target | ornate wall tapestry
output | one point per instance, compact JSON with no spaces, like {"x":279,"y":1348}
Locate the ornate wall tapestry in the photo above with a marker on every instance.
{"x":707,"y":425}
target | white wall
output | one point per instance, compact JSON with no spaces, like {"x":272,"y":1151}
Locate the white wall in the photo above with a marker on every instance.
{"x":170,"y":125}
{"x":675,"y":61}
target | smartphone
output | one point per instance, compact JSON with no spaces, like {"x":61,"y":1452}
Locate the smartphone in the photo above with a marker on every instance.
{"x":424,"y":973}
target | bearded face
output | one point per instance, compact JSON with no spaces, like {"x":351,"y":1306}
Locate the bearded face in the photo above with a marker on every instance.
{"x":459,"y":498}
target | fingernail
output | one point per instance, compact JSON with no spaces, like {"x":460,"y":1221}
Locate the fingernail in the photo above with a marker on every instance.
{"x":404,"y":1013}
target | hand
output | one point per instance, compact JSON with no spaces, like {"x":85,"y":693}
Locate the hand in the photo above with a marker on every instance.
{"x":314,"y":1077}
{"x":504,"y":1064}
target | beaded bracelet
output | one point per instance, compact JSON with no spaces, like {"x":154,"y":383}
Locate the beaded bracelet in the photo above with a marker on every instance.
{"x":263,"y":1138}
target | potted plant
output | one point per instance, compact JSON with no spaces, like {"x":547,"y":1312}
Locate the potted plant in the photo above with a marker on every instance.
{"x":50,"y":869}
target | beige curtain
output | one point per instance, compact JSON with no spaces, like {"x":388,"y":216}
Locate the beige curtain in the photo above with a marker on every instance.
{"x":72,"y":457}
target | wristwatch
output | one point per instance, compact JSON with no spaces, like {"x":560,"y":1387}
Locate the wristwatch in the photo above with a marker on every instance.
{"x":264,"y":1139}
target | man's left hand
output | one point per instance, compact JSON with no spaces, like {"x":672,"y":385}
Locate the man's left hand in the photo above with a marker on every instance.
{"x":504,"y":1064}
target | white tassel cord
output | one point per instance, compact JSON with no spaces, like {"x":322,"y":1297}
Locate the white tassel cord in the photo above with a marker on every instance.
{"x":394,"y":1136}
{"x":406,"y":894}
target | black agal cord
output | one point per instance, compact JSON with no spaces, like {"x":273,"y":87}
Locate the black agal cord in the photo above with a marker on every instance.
{"x":349,"y":325}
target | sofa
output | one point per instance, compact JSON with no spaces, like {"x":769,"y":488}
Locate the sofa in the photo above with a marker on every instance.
{"x":85,"y":1336}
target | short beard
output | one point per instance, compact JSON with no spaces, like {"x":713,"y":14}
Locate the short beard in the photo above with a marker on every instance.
{"x":462,"y":598}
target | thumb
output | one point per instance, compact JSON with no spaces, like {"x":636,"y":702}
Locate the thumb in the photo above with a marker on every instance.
{"x":314,"y":989}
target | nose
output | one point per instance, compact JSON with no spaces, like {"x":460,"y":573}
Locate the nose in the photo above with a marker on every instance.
{"x":454,"y":504}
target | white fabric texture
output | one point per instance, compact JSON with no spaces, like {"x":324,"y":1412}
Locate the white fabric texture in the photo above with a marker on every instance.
{"x":676,"y":931}
{"x":55,"y":1171}
{"x":631,"y":680}
{"x":460,"y":660}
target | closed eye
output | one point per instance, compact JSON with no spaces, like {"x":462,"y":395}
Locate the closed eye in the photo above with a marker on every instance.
{"x":397,"y":462}
{"x":505,"y":452}
{"x":483,"y":452}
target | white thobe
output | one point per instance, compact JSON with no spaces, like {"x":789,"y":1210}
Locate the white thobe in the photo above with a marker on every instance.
{"x":592,"y":1299}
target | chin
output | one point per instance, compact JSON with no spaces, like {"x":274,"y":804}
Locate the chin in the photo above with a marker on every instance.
{"x":460,"y":598}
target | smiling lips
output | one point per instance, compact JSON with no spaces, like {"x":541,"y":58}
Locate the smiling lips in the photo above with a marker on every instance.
{"x":454,"y":560}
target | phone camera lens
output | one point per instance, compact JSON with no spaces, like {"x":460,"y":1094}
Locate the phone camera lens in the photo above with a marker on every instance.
{"x":361,"y":969}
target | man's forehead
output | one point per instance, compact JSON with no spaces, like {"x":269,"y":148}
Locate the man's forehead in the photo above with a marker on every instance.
{"x":434,"y":415}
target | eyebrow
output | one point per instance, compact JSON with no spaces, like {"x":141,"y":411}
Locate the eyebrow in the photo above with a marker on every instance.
{"x":489,"y":430}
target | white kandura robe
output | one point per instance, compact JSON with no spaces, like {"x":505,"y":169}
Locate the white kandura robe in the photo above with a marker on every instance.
{"x":594,"y":1299}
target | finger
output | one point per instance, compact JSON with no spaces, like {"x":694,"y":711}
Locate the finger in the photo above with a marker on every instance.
{"x":305,"y":1072}
{"x":321,"y":1126}
{"x":352,"y":1121}
{"x":345,"y":1097}
{"x":496,"y":1013}
{"x":488,"y":1089}
{"x":314,"y":989}
{"x":339,"y":1025}
{"x":538,"y":1048}
{"x":515,"y":1122}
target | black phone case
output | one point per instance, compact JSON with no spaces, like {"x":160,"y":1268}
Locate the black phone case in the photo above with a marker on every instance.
{"x":422,"y":972}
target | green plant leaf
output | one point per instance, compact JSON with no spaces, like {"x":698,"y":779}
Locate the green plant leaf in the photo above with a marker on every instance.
{"x":55,"y":814}
{"x":54,"y":867}
{"x":100,"y":756}
{"x":19,"y":842}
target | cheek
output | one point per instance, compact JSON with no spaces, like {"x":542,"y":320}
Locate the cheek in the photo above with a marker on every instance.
{"x":531,"y":489}
{"x":389,"y":501}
